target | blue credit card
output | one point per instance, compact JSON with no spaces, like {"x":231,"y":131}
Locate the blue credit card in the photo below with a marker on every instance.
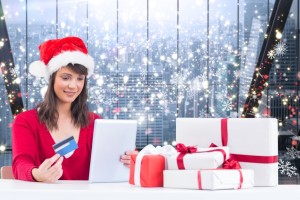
{"x":65,"y":147}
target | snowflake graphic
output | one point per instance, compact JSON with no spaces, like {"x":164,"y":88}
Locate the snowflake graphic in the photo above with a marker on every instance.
{"x":292,"y":152}
{"x":286,"y":168}
{"x":143,"y":72}
{"x":237,"y":73}
{"x":13,"y":71}
{"x":178,"y":79}
{"x":196,"y":83}
{"x":220,"y":95}
{"x":227,"y":105}
{"x":280,"y":49}
{"x":202,"y":77}
{"x":173,"y":79}
{"x":202,"y":113}
{"x":271,"y":54}
{"x":191,"y":93}
{"x":220,"y":74}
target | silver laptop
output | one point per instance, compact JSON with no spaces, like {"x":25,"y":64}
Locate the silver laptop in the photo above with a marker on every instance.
{"x":111,"y":139}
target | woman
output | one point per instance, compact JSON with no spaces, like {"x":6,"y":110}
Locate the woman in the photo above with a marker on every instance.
{"x":63,"y":113}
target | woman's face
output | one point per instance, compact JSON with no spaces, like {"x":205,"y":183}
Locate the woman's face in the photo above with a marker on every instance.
{"x":68,"y":85}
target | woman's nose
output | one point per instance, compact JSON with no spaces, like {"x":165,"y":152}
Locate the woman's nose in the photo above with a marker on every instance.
{"x":72,"y":83}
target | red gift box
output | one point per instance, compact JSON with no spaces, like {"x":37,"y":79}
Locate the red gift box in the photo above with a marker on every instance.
{"x":151,"y":172}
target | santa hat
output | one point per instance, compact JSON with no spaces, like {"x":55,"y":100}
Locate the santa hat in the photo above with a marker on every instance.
{"x":57,"y":53}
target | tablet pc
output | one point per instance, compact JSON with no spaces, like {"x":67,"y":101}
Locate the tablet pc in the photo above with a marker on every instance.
{"x":110,"y":140}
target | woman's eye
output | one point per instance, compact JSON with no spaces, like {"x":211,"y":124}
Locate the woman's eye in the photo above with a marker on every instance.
{"x":65,"y":78}
{"x":80,"y":78}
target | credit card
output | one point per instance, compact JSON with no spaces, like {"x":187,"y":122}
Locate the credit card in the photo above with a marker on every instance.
{"x":66,"y":147}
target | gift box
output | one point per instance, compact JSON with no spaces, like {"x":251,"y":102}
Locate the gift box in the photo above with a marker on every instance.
{"x":151,"y":171}
{"x":216,"y":179}
{"x":252,"y":141}
{"x":202,"y":158}
{"x":146,"y":168}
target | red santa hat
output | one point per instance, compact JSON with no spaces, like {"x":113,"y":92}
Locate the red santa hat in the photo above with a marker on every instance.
{"x":57,"y":53}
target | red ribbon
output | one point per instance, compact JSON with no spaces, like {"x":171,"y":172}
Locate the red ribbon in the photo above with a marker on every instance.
{"x":213,"y":145}
{"x":185,"y":149}
{"x":242,"y":157}
{"x":224,"y":131}
{"x":191,"y":149}
{"x":255,"y":159}
{"x":241,"y":179}
{"x":199,"y":180}
{"x":231,"y":164}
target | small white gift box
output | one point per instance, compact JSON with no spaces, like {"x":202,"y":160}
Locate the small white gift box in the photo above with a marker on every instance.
{"x":203,"y":158}
{"x":216,"y":179}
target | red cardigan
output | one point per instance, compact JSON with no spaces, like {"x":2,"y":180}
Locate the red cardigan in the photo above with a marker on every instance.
{"x":32,"y":144}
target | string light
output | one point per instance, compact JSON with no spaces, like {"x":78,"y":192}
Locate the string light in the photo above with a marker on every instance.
{"x":2,"y":148}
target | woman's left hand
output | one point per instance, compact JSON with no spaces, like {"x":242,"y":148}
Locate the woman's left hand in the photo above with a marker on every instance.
{"x":125,"y":158}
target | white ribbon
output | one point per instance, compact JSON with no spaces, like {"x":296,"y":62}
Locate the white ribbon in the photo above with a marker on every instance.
{"x":167,"y":150}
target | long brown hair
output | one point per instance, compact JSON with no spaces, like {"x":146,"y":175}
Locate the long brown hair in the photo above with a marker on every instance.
{"x":47,"y":112}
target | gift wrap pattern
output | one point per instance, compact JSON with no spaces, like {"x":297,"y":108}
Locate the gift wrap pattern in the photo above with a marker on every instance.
{"x":217,"y":179}
{"x":252,"y":141}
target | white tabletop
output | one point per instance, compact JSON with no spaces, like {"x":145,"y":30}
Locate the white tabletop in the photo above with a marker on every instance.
{"x":83,"y":190}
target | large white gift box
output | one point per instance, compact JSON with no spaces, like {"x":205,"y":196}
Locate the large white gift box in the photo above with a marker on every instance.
{"x":203,"y":158}
{"x":216,"y":179}
{"x":252,"y":141}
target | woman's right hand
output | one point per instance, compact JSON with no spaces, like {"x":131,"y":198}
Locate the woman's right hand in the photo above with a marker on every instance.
{"x":50,"y":170}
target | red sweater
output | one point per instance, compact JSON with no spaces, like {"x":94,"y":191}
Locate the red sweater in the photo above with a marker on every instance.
{"x":32,"y":144}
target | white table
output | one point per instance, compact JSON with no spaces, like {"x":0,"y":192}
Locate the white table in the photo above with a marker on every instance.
{"x":83,"y":190}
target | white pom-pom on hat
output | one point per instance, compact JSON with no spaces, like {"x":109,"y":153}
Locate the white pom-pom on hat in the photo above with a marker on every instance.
{"x":38,"y":69}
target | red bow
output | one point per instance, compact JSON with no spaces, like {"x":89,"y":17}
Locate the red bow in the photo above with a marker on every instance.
{"x":213,"y":145}
{"x":231,"y":164}
{"x":185,"y":149}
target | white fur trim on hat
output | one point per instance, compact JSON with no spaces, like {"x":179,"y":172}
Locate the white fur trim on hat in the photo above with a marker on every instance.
{"x":64,"y":58}
{"x":38,"y":69}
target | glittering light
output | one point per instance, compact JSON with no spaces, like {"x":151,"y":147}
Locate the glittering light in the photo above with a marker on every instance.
{"x":17,"y":80}
{"x":1,"y":44}
{"x":103,"y":56}
{"x":100,"y":81}
{"x":62,"y":25}
{"x":174,"y":56}
{"x":125,"y":79}
{"x":278,"y":34}
{"x":145,"y":59}
{"x":2,"y":148}
{"x":205,"y":84}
